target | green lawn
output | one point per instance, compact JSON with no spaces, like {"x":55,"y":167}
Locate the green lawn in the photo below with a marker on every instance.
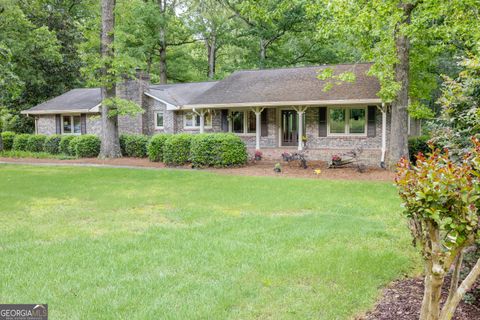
{"x":97,"y":243}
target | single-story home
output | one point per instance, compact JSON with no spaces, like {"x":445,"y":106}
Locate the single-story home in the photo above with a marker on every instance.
{"x":272,"y":110}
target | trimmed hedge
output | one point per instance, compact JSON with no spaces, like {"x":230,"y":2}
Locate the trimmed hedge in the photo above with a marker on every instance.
{"x":218,"y":150}
{"x":7,"y":138}
{"x":123,"y":139}
{"x":65,"y":145}
{"x":176,"y":150}
{"x":20,"y":142}
{"x":135,"y":145}
{"x":85,"y":146}
{"x":36,"y":142}
{"x":155,"y":147}
{"x":416,"y":145}
{"x":52,"y":144}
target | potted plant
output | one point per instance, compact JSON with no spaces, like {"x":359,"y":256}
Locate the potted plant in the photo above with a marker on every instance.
{"x":336,"y":160}
{"x":304,"y":140}
{"x":277,"y":168}
{"x":258,"y":155}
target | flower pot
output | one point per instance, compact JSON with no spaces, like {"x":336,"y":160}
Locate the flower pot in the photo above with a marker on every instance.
{"x":277,"y":170}
{"x":336,"y":162}
{"x":258,"y":158}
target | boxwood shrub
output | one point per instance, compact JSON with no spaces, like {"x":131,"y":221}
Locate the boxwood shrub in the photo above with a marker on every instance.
{"x":176,"y":150}
{"x":20,"y":142}
{"x":136,"y":145}
{"x":52,"y":144}
{"x":85,"y":146}
{"x":218,"y":149}
{"x":35,"y":143}
{"x":123,"y":139}
{"x":155,"y":147}
{"x":416,"y":145}
{"x":7,"y":138}
{"x":65,"y":145}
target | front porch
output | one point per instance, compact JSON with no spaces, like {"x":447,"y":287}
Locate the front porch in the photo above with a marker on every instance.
{"x":319,"y":130}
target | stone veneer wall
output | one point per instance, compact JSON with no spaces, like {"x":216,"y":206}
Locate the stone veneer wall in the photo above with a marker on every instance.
{"x":46,"y":125}
{"x":94,"y":124}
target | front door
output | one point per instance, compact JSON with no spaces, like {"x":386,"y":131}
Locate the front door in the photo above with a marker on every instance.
{"x":289,"y":128}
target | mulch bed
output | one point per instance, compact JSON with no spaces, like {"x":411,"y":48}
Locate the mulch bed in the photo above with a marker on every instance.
{"x":259,"y":168}
{"x":403,"y":298}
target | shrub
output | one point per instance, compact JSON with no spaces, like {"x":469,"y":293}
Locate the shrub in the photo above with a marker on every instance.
{"x":176,"y":150}
{"x":123,"y":138}
{"x":136,"y":145}
{"x":7,"y":138}
{"x":20,"y":142}
{"x":155,"y":147}
{"x":65,"y":145}
{"x":52,"y":144}
{"x":85,"y":146}
{"x":218,"y":149}
{"x":416,"y":145}
{"x":35,"y":143}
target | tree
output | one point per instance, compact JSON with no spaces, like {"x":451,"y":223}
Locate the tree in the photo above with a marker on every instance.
{"x":405,"y":39}
{"x":441,"y":199}
{"x":110,"y":147}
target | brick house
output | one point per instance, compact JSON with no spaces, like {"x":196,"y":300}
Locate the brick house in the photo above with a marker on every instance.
{"x":267,"y":108}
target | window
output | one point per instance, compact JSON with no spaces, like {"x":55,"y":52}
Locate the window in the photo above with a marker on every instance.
{"x":159,"y":120}
{"x":71,"y":125}
{"x":347,"y":121}
{"x":192,"y":120}
{"x":243,"y":121}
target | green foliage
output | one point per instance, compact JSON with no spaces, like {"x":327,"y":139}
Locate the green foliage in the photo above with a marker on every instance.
{"x":218,"y":150}
{"x":8,"y":137}
{"x":155,"y":147}
{"x":65,"y":145}
{"x":460,"y":114}
{"x":36,"y":142}
{"x":85,"y":146}
{"x":122,"y":107}
{"x":20,"y":142}
{"x":35,"y":155}
{"x":418,"y":145}
{"x":176,"y":150}
{"x":135,"y":145}
{"x":52,"y":144}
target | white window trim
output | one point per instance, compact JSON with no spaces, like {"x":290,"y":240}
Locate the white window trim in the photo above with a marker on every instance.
{"x":347,"y":122}
{"x":246,"y":114}
{"x":73,"y":124}
{"x":155,"y":119}
{"x":195,"y":127}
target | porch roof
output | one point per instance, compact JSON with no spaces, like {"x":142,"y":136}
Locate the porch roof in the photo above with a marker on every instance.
{"x":289,"y":86}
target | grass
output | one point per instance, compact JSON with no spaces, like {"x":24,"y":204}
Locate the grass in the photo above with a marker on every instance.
{"x":36,"y":155}
{"x":98,"y":243}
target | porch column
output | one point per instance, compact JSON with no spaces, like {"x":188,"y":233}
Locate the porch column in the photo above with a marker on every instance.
{"x":383,"y":109}
{"x":258,"y":126}
{"x":201,"y":114}
{"x":300,"y":112}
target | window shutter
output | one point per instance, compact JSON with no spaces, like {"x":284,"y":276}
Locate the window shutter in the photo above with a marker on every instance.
{"x":58,"y":124}
{"x":322,"y":121}
{"x":83,"y":123}
{"x":224,"y":120}
{"x":264,"y":121}
{"x":371,"y":121}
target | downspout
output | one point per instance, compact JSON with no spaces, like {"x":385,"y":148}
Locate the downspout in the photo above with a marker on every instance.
{"x":384,"y":135}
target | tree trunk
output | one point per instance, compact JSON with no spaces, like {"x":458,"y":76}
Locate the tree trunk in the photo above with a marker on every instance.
{"x":212,"y":55}
{"x":263,"y":53}
{"x":163,"y":57}
{"x":451,"y":305}
{"x":163,"y":43}
{"x":110,"y":142}
{"x":399,"y":129}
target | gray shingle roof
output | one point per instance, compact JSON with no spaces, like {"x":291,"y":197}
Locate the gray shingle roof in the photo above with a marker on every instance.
{"x":289,"y":85}
{"x":73,"y":100}
{"x":180,"y":93}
